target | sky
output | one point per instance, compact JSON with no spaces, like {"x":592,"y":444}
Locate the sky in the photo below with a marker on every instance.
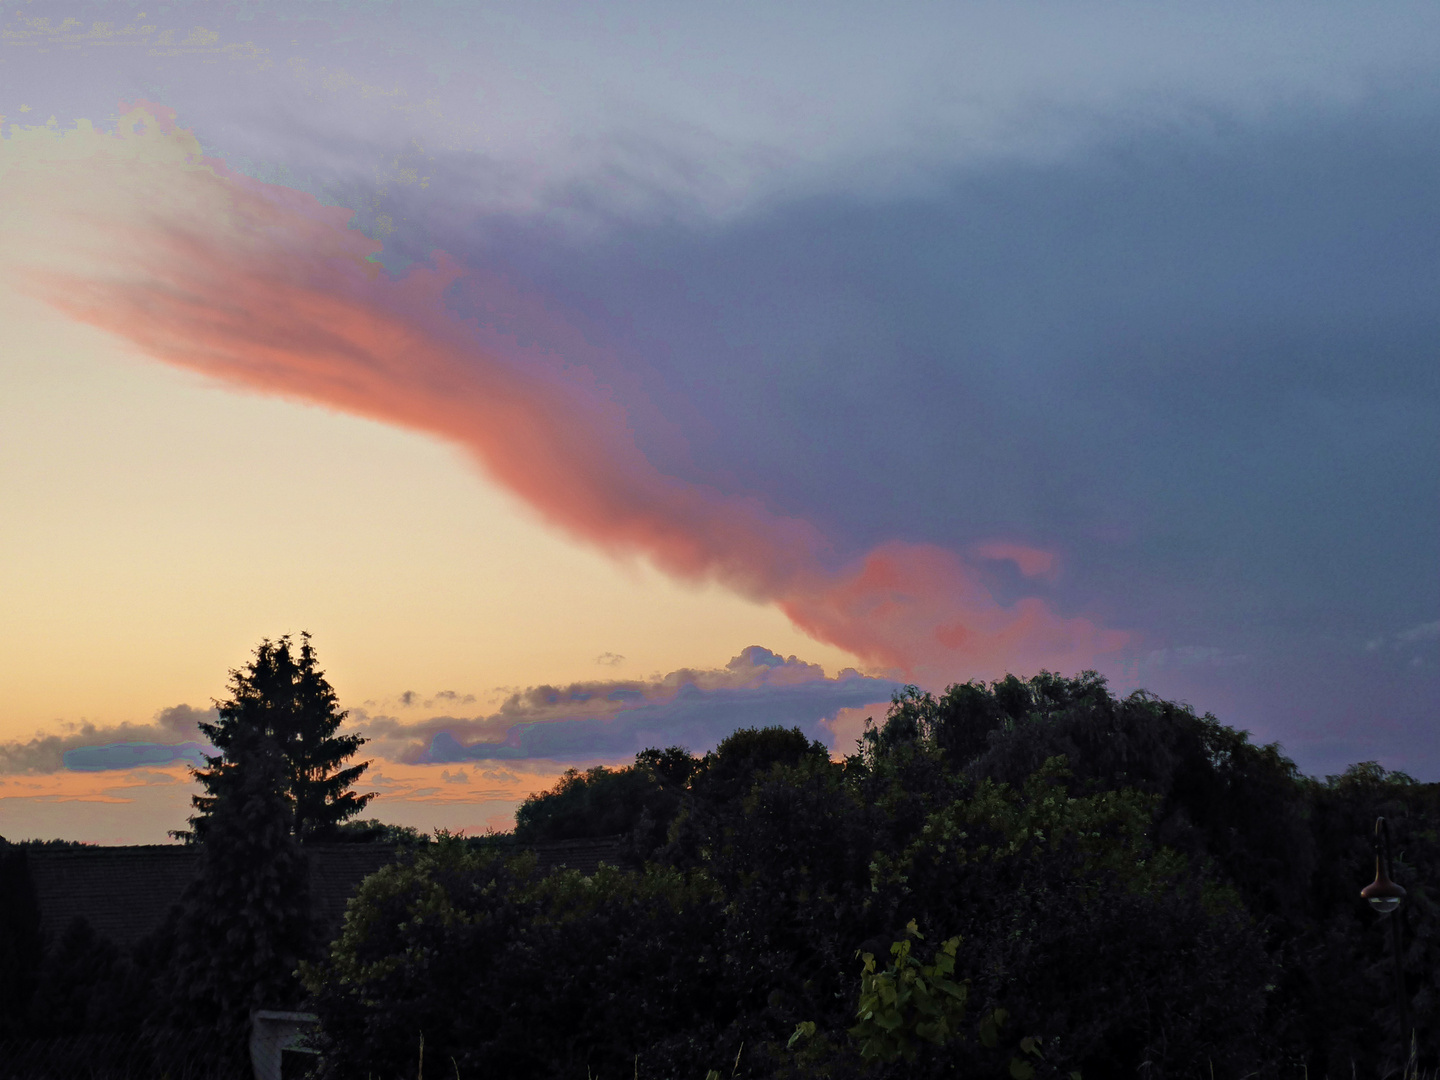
{"x":592,"y":377}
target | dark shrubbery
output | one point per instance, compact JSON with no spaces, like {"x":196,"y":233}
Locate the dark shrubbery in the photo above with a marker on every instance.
{"x":510,"y":973}
{"x":1135,"y":890}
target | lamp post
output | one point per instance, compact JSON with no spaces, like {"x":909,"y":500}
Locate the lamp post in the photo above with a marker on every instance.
{"x":1385,"y":897}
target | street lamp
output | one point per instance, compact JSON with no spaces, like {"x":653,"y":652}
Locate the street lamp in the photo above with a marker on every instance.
{"x":1385,"y":897}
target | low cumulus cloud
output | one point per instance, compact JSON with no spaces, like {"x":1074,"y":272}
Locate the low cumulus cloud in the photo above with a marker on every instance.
{"x":173,"y":735}
{"x":691,"y":707}
{"x":617,"y":718}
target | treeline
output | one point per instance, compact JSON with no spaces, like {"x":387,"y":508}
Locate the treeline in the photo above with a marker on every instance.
{"x":1030,"y":878}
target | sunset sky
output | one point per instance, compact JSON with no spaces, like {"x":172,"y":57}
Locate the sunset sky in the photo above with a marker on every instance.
{"x":587,"y":377}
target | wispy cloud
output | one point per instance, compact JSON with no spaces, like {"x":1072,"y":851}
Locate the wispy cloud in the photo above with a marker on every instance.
{"x":1191,"y":656}
{"x":1429,"y":631}
{"x":1415,"y":635}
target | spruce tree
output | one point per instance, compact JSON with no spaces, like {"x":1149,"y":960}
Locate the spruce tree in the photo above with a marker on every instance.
{"x":245,"y":925}
{"x":283,"y":693}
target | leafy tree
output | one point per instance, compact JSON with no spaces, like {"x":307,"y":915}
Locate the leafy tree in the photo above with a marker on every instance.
{"x":80,"y":981}
{"x":1127,"y":887}
{"x":637,"y":801}
{"x":729,"y":771}
{"x":375,"y":831}
{"x":514,"y":974}
{"x":642,"y":800}
{"x":284,"y":694}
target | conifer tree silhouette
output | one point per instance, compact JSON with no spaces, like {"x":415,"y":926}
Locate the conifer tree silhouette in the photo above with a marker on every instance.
{"x":244,"y":924}
{"x":283,"y":693}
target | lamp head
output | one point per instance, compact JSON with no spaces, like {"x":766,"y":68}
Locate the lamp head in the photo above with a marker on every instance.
{"x":1382,"y":894}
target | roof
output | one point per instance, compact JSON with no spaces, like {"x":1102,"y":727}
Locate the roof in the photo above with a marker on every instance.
{"x":584,"y":855}
{"x":126,"y":892}
{"x":336,"y":871}
{"x":123,"y":892}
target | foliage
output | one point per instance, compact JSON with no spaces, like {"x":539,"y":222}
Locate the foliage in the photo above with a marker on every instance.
{"x":20,"y":944}
{"x":908,"y":1000}
{"x":637,"y":800}
{"x":642,"y":800}
{"x":374,"y":831}
{"x":244,"y":923}
{"x":481,"y":953}
{"x":1127,"y":887}
{"x":285,"y":695}
{"x":82,"y":975}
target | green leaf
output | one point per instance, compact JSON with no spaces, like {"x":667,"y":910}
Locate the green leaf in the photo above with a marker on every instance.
{"x":1021,"y":1069}
{"x":889,"y":1020}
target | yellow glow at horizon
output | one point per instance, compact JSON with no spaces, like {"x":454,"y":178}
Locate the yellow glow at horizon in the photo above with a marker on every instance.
{"x":155,"y":526}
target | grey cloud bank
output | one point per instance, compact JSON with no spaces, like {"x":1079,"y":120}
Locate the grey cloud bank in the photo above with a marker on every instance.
{"x":611,"y":719}
{"x":1197,"y":363}
{"x":171,"y":736}
{"x":616,"y":719}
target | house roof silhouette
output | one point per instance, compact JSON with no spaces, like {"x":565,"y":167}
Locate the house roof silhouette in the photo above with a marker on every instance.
{"x":125,"y":893}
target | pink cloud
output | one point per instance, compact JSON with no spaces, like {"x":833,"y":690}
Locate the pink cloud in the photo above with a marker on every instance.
{"x":265,"y":289}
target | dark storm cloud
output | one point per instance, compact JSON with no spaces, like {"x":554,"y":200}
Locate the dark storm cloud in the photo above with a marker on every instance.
{"x":1201,"y":363}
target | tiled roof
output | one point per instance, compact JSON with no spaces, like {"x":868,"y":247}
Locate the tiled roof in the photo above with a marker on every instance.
{"x":123,"y":892}
{"x":336,"y":871}
{"x":126,"y":892}
{"x":584,"y":855}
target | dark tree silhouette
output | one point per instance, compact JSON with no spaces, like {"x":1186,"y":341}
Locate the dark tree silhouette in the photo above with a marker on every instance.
{"x":20,"y":944}
{"x":245,"y":922}
{"x":1131,"y":888}
{"x":283,"y":694}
